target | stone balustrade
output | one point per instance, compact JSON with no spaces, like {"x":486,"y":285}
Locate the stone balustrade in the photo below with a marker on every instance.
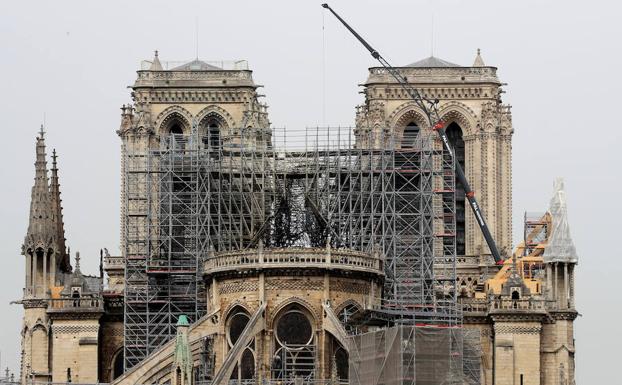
{"x":472,"y":260}
{"x":482,"y":306}
{"x":505,"y":304}
{"x":474,"y":306}
{"x":77,"y":304}
{"x":114,"y":262}
{"x":455,"y":74}
{"x":318,"y":258}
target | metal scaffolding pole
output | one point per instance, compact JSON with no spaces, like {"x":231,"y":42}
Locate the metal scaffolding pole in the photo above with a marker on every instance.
{"x":191,"y":197}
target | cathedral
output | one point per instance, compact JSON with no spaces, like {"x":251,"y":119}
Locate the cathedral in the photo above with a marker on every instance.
{"x":351,"y":256}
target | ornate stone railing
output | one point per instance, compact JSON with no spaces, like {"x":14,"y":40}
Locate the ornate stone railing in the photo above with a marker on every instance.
{"x":456,"y":74}
{"x":477,"y":306}
{"x":77,"y":304}
{"x":474,"y":306}
{"x":294,"y":258}
{"x":468,"y":260}
{"x":38,"y":291}
{"x":504,"y":304}
{"x":167,"y":78}
{"x":114,"y":262}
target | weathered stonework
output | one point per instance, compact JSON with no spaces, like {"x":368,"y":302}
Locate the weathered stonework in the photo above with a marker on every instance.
{"x":522,"y":313}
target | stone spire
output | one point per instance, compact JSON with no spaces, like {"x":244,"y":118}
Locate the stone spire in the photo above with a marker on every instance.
{"x":560,"y":246}
{"x":77,"y":271}
{"x":183,"y":361}
{"x":155,"y":64}
{"x":479,"y":62}
{"x":57,"y":210}
{"x":41,"y":227}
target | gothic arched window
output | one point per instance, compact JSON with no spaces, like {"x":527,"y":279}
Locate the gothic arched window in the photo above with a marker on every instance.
{"x":245,"y":367}
{"x":454,"y":134}
{"x":117,"y":365}
{"x":212,"y":135}
{"x":411,"y":132}
{"x":294,"y":354}
{"x":176,"y":129}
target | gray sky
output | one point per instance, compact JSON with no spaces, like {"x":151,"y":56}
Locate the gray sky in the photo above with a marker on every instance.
{"x":72,"y":60}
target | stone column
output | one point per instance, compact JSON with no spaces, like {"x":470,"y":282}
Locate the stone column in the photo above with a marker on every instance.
{"x":566,"y":296}
{"x":28,"y":272}
{"x":45,"y":274}
{"x":34,"y":273}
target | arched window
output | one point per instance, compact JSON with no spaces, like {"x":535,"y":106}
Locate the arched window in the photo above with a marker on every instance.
{"x":454,"y":134}
{"x":341,"y":363}
{"x":294,"y":343}
{"x":411,"y":132}
{"x":176,"y":129}
{"x":173,"y":128}
{"x":213,"y":134}
{"x":346,"y":314}
{"x":117,"y":364}
{"x":211,"y":131}
{"x":515,"y":294}
{"x":245,"y":367}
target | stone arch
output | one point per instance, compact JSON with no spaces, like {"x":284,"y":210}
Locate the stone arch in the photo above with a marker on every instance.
{"x":406,"y":113}
{"x":461,"y":114}
{"x":292,"y":301}
{"x":171,"y":114}
{"x":216,"y":112}
{"x":231,"y":307}
{"x":39,"y":347}
{"x":116,"y":359}
{"x":39,"y":325}
{"x":401,"y":119}
{"x":346,"y":303}
{"x":229,"y":322}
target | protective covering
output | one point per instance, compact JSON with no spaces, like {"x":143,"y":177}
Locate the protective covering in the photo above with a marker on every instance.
{"x":411,"y":355}
{"x":560,"y":247}
{"x":472,"y":355}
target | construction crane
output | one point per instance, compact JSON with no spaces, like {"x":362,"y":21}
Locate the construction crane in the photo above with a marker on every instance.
{"x":430,"y":109}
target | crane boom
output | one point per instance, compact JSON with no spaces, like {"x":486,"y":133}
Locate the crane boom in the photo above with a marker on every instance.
{"x":430,"y":109}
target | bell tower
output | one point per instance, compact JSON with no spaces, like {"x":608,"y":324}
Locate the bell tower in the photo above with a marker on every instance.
{"x":179,"y":110}
{"x":479,"y":126}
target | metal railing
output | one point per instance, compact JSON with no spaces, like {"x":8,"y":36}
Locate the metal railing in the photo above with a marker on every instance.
{"x":225,"y":65}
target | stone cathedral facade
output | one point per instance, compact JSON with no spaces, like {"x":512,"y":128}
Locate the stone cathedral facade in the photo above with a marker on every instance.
{"x":284,"y":314}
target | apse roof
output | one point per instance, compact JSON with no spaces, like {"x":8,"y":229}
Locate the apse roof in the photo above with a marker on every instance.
{"x":197,"y":65}
{"x":432,"y":62}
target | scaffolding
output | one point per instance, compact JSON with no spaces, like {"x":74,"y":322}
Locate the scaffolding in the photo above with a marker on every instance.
{"x":189,"y":197}
{"x":535,"y":232}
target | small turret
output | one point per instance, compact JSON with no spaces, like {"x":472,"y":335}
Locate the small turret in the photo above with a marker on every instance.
{"x":155,"y":64}
{"x":479,"y":62}
{"x":182,"y":366}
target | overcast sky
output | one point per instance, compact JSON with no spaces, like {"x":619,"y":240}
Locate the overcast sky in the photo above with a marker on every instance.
{"x":73,"y":61}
